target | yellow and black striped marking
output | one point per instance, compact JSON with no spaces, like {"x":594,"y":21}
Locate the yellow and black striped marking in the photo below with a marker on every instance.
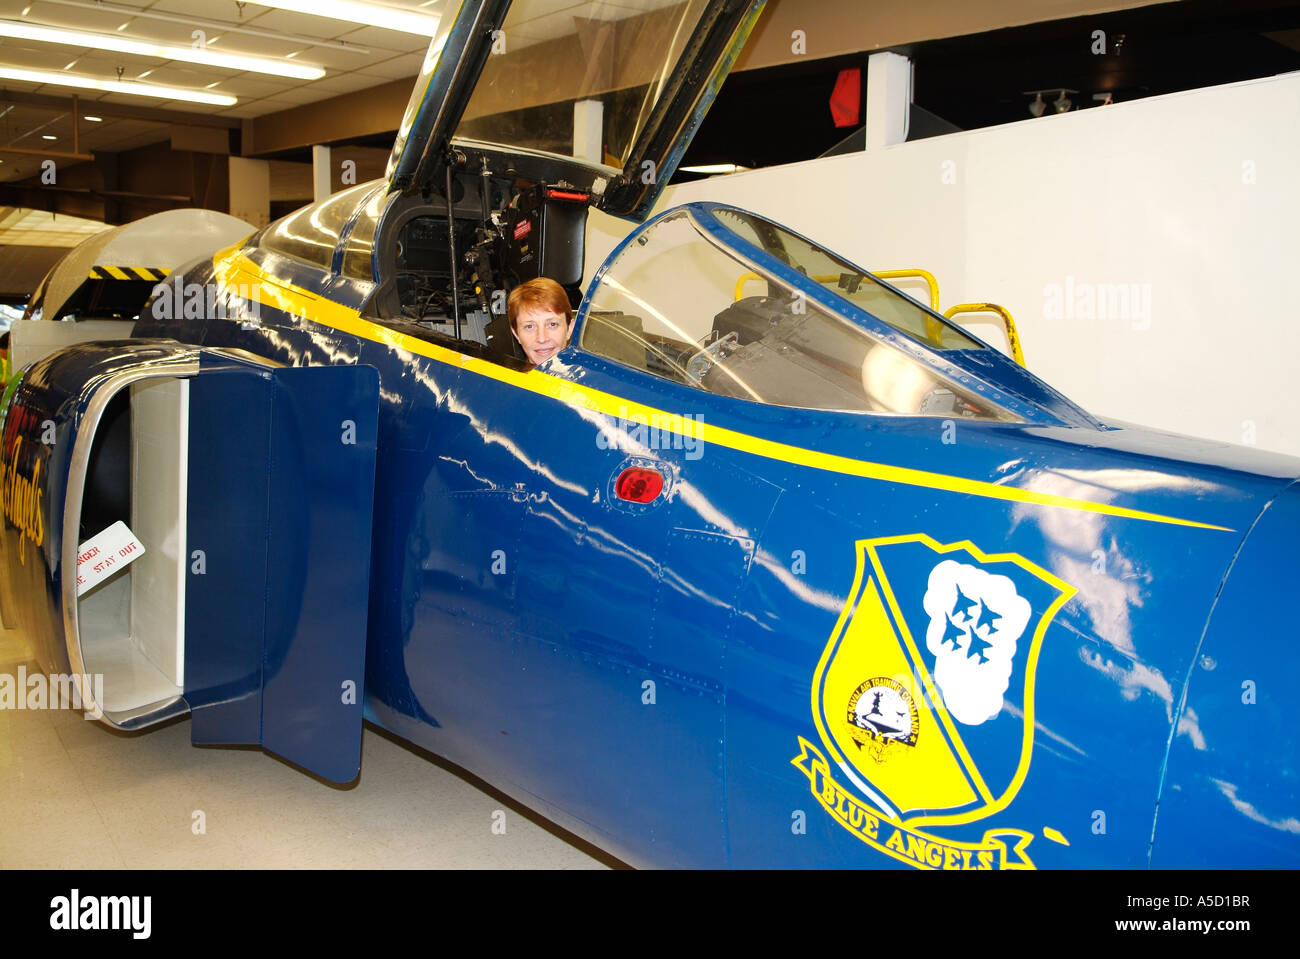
{"x":152,"y":274}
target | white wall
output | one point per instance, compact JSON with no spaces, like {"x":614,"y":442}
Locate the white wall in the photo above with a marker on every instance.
{"x":1189,"y":201}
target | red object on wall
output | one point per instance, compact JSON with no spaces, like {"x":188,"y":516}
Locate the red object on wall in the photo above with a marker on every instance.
{"x":846,"y":98}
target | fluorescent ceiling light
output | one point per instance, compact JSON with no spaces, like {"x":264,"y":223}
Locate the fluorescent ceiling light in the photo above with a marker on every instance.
{"x":93,"y":119}
{"x":366,"y":14}
{"x":167,"y":51}
{"x":116,"y":86}
{"x":48,"y":136}
{"x":189,"y":22}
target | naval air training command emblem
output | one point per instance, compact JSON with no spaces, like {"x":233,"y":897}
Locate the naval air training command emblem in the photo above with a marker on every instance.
{"x":924,"y":701}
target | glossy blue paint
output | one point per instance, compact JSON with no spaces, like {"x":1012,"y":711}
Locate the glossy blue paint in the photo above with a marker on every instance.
{"x":1232,"y":789}
{"x":226,"y":585}
{"x":280,"y":494}
{"x":653,"y":677}
{"x":533,"y":676}
{"x":275,"y":634}
{"x":643,"y":677}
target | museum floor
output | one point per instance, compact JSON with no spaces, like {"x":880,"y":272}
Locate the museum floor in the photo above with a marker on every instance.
{"x":76,"y":795}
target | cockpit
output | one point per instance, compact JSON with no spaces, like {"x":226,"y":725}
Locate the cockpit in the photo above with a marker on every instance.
{"x":590,"y":110}
{"x":682,"y":300}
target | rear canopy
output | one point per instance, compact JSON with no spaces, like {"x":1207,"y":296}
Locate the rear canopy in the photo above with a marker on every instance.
{"x":142,"y":252}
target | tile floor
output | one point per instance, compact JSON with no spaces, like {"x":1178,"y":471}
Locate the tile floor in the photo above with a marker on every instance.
{"x":77,"y":795}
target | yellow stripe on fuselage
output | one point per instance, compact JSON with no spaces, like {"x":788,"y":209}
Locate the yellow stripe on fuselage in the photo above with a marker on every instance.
{"x":234,"y":268}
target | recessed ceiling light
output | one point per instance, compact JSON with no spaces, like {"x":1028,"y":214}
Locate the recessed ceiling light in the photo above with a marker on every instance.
{"x":143,"y":75}
{"x":70,"y":65}
{"x":366,"y":14}
{"x":123,"y":26}
{"x":167,"y":51}
{"x":212,"y":84}
{"x":48,"y":136}
{"x":93,"y":119}
{"x":117,"y":86}
{"x":27,"y":9}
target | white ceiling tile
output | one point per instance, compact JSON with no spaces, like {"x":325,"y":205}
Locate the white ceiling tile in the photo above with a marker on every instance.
{"x":396,"y":68}
{"x":388,"y":41}
{"x":281,"y":101}
{"x":208,"y":10}
{"x":178,"y":74}
{"x":254,"y":46}
{"x":302,"y":24}
{"x":298,"y":96}
{"x":338,"y":83}
{"x":244,"y":111}
{"x":136,"y":101}
{"x":154,"y":31}
{"x":106,"y":62}
{"x":73,"y":18}
{"x":27,"y":58}
{"x":334,"y":60}
{"x":250,"y":86}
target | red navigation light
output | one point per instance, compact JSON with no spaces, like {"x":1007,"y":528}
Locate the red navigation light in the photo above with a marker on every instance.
{"x":638,"y":485}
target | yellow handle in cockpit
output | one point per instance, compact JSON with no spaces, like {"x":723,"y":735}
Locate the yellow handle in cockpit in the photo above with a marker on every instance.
{"x":1013,"y":338}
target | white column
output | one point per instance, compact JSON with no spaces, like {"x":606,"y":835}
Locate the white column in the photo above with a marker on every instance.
{"x":250,"y":190}
{"x":588,"y":131}
{"x":889,"y":98}
{"x":320,"y":172}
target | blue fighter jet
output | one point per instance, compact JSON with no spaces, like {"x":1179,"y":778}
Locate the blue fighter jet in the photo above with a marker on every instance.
{"x":643,"y":585}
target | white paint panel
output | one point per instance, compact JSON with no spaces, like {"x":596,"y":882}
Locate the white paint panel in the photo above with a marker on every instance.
{"x":159,"y":470}
{"x":32,"y":340}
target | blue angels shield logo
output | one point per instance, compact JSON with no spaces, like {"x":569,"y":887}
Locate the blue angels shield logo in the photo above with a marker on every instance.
{"x":924,"y":699}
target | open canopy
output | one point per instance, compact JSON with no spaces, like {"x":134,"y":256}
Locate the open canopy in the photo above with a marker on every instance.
{"x":616,"y":87}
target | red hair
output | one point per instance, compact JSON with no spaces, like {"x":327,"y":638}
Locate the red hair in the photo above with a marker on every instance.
{"x":542,"y":293}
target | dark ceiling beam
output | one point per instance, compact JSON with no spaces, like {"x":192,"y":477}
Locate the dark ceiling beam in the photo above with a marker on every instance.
{"x":91,"y":191}
{"x":119,"y":110}
{"x":72,"y":203}
{"x":50,"y":154}
{"x":345,"y":117}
